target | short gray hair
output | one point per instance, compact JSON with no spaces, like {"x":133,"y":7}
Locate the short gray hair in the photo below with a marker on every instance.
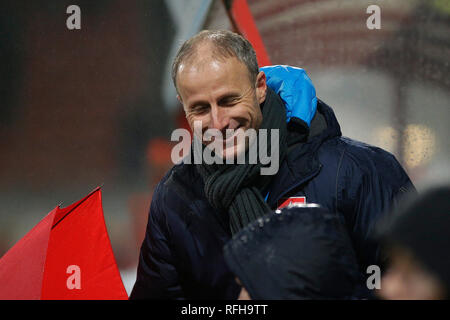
{"x":225,"y":43}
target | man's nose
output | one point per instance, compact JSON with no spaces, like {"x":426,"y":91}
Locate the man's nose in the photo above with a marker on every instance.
{"x":219,"y":118}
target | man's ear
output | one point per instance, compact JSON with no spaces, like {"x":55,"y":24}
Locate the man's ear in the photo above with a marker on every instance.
{"x":261,"y":87}
{"x":181,"y":101}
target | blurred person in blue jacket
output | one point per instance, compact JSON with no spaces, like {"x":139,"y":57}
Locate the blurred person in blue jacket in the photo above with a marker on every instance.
{"x":417,"y":238}
{"x":196,"y":208}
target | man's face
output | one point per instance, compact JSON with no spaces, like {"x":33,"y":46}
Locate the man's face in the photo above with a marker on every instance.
{"x":219,"y":93}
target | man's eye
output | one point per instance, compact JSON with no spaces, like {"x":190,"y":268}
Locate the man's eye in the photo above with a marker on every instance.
{"x":229,"y":102}
{"x":199,"y":109}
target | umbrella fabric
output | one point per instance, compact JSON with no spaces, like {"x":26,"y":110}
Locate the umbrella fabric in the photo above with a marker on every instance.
{"x":22,"y":267}
{"x":68,"y":255}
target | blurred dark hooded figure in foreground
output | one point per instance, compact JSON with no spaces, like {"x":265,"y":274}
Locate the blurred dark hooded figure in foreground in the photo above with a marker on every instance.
{"x":418,"y":241}
{"x":296,"y":253}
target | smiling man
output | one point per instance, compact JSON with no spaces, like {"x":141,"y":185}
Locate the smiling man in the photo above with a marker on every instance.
{"x":221,"y":93}
{"x":196,"y":208}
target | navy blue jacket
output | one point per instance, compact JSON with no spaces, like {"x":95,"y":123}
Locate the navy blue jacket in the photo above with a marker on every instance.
{"x":182,"y":253}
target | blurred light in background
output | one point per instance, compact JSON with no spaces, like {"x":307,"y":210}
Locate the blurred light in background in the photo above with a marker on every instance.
{"x":386,"y":138}
{"x":419,"y":143}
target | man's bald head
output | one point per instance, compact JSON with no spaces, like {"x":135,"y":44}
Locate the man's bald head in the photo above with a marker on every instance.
{"x":210,"y":45}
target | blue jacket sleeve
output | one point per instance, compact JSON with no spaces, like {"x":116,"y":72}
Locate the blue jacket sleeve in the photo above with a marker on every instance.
{"x":296,"y":90}
{"x":370,"y":184}
{"x":157,"y":277}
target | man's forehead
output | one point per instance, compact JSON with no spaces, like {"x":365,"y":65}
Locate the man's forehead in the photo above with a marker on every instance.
{"x":211,"y":63}
{"x":208,"y":71}
{"x":200,"y":64}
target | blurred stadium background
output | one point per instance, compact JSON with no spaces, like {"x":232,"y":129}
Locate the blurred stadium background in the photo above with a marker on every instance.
{"x":95,"y":106}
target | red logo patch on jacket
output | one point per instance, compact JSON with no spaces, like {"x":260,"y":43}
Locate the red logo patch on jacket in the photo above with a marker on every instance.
{"x":284,"y":202}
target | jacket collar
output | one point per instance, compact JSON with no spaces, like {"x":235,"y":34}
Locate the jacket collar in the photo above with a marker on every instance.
{"x":301,"y":163}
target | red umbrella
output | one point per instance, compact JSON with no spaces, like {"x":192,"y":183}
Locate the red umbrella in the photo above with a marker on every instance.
{"x":67,"y":255}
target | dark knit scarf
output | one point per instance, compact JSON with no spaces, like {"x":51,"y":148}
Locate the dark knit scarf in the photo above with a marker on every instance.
{"x":236,"y":188}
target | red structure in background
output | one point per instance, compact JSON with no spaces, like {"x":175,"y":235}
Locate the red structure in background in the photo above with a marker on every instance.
{"x":242,"y":20}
